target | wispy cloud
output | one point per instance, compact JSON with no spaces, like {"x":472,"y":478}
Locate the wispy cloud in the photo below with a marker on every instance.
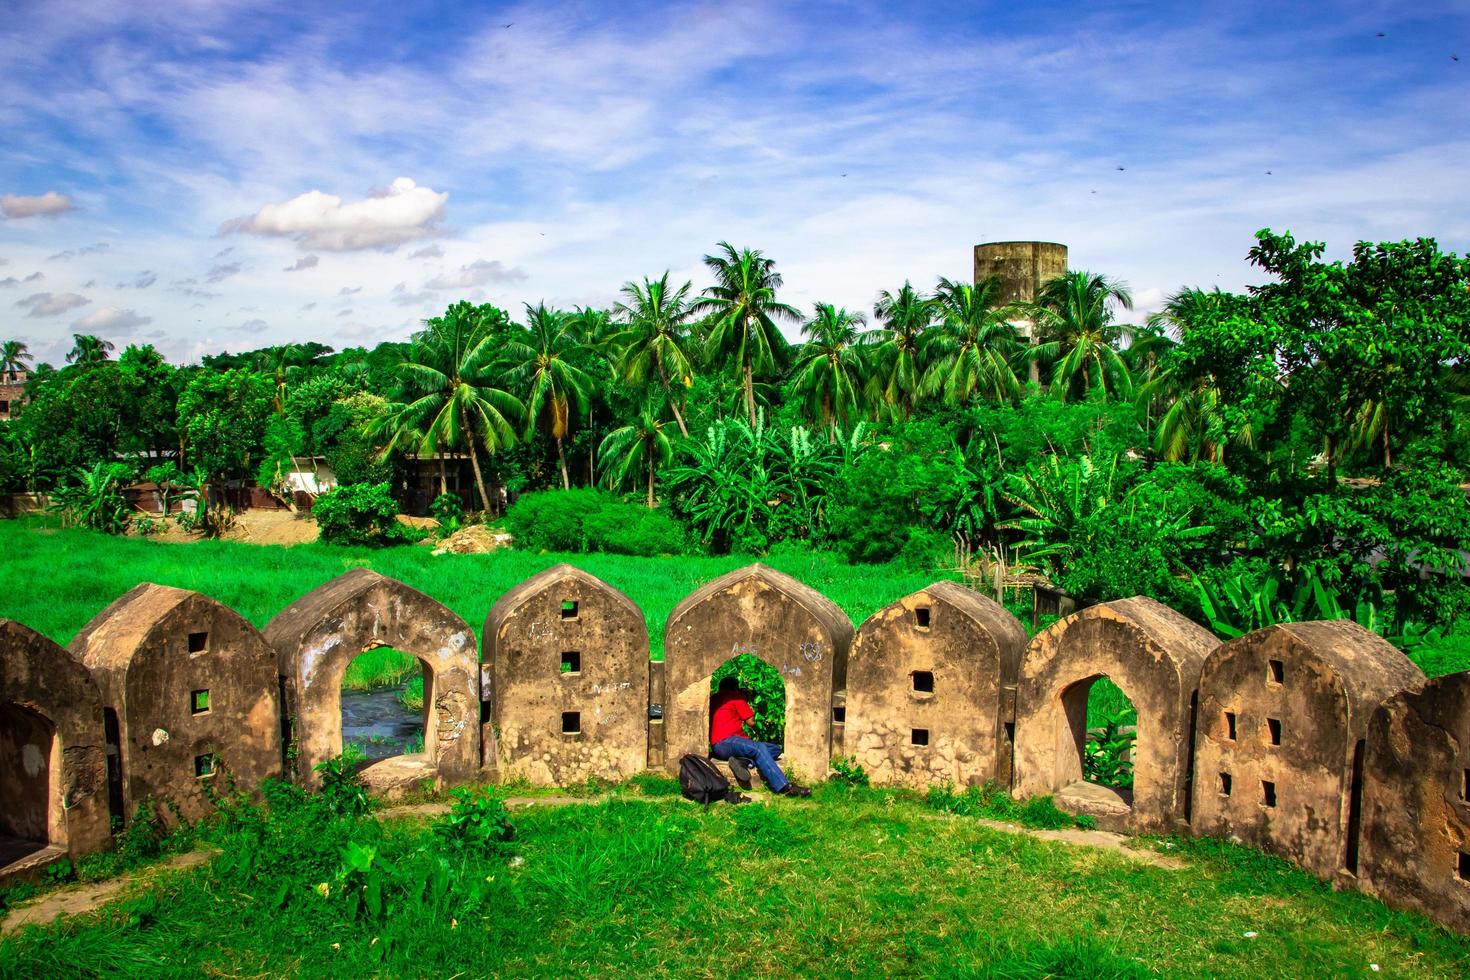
{"x":110,"y":319}
{"x":480,"y":272}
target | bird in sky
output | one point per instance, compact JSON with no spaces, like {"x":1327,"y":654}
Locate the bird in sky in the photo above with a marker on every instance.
{"x":1381,"y":34}
{"x":507,"y":26}
{"x":1268,"y":173}
{"x":844,"y":175}
{"x":1120,"y":168}
{"x":1454,"y":57}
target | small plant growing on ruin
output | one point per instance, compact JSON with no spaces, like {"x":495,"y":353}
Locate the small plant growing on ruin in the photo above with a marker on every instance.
{"x":845,"y":769}
{"x":477,"y":819}
{"x":1106,"y":760}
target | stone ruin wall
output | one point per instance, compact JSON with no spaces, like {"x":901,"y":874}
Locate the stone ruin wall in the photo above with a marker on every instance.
{"x":1335,"y":752}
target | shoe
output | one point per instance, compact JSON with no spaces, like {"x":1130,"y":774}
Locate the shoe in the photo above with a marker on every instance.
{"x":739,"y":770}
{"x":794,"y":790}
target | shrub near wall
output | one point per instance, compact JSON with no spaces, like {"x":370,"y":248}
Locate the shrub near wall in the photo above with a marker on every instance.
{"x":591,"y":520}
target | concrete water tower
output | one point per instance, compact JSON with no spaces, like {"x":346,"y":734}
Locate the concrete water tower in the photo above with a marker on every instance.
{"x":1021,"y":267}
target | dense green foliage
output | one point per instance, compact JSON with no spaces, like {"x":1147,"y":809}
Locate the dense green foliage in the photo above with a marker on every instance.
{"x":358,"y":513}
{"x":1315,"y":425}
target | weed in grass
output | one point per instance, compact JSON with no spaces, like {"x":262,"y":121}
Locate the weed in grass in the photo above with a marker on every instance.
{"x":654,"y":784}
{"x":994,"y":802}
{"x":845,"y":769}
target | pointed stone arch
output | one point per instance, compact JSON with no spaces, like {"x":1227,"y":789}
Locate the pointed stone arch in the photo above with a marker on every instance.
{"x":931,"y":689}
{"x":1284,"y":711}
{"x":53,"y":771}
{"x":769,"y":614}
{"x":1154,"y":655}
{"x":193,"y":687}
{"x":318,"y":635}
{"x":568,"y":658}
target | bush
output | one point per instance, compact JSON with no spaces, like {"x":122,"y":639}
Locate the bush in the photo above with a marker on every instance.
{"x":449,"y":512}
{"x":478,"y":819}
{"x":358,"y":513}
{"x":768,"y":695}
{"x":846,"y":769}
{"x":591,"y":520}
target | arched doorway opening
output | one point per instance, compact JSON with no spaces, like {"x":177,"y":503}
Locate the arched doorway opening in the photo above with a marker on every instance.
{"x":383,"y":704}
{"x":764,"y":689}
{"x":1103,"y":723}
{"x":30,"y":768}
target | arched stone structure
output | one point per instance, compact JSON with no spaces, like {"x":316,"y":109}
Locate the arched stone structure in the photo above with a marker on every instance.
{"x":931,"y":685}
{"x":1415,"y":849}
{"x":53,"y":771}
{"x":1155,"y":655}
{"x":194,"y":691}
{"x":1279,"y":738}
{"x":318,"y":635}
{"x":568,"y":658}
{"x":768,"y":614}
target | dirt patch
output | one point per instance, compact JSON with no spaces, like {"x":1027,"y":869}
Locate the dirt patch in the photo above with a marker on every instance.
{"x":89,"y":898}
{"x":477,"y":539}
{"x":278,"y":527}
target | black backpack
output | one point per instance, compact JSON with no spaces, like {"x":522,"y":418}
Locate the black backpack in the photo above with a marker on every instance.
{"x":702,"y":782}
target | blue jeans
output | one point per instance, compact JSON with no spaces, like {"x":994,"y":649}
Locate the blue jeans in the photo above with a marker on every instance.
{"x":763,"y":754}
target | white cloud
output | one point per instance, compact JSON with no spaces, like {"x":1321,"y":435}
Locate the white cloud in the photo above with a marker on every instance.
{"x":435,"y":251}
{"x":349,"y":290}
{"x":110,"y":319}
{"x":51,"y":304}
{"x":401,"y":213}
{"x":35,"y":277}
{"x":48,"y":204}
{"x":478,"y":273}
{"x":305,"y":262}
{"x":346,"y":312}
{"x":8,"y":282}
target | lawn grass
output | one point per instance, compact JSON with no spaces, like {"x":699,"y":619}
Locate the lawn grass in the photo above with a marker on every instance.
{"x":55,"y":580}
{"x":855,"y":882}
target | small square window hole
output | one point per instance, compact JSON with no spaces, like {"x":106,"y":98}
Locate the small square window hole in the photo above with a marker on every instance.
{"x":839,"y":716}
{"x":1224,"y":784}
{"x":198,"y":642}
{"x":1273,"y":729}
{"x":1268,"y":793}
{"x":919,"y":736}
{"x":1230,"y":725}
{"x":571,"y":722}
{"x":1463,"y":866}
{"x":1465,"y":784}
{"x":205,"y":765}
{"x":1278,"y":672}
{"x":923,"y":681}
{"x":568,"y":609}
{"x":571,"y":662}
{"x":921,"y":617}
{"x":198,"y":702}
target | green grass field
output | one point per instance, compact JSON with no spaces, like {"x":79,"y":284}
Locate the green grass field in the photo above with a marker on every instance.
{"x":55,"y":580}
{"x":862,"y":882}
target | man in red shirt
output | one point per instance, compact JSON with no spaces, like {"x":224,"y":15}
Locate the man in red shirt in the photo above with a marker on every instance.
{"x":729,"y":711}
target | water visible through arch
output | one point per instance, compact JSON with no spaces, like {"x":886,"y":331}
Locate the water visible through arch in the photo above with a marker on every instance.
{"x":383,"y":703}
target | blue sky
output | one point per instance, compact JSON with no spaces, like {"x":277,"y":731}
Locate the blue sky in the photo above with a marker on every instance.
{"x":218,"y":175}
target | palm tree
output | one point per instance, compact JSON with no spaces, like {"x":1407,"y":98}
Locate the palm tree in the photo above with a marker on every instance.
{"x":88,"y":350}
{"x":277,"y":362}
{"x":636,"y":451}
{"x":544,"y":363}
{"x":448,"y":391}
{"x":742,"y":306}
{"x":656,"y":337}
{"x":899,"y":358}
{"x":831,"y":369}
{"x":1074,"y":313}
{"x":972,"y":346}
{"x":15,"y":357}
